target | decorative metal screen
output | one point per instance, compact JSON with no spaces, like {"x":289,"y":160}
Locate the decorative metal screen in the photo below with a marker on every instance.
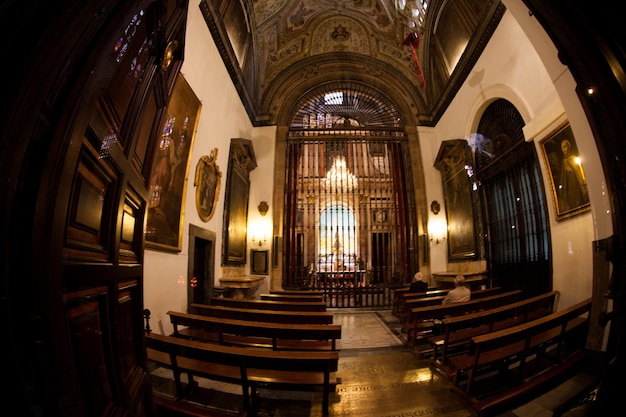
{"x":349,"y":206}
{"x":348,"y":209}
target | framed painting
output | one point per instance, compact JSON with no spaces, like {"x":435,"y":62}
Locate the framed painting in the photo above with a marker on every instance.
{"x":170,"y":165}
{"x":566,"y":173}
{"x":207,"y":182}
{"x":453,"y":161}
{"x":235,"y":229}
{"x":259,"y":262}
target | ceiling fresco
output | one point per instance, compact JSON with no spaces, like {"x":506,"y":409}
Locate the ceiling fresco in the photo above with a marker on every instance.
{"x":292,"y":42}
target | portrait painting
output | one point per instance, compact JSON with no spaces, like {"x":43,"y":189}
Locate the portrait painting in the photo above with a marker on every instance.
{"x":170,"y":165}
{"x":235,"y":226}
{"x":207,"y":182}
{"x":566,"y":173}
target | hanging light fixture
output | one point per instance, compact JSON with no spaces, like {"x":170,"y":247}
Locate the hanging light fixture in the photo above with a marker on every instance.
{"x":412,"y":13}
{"x":339,"y":178}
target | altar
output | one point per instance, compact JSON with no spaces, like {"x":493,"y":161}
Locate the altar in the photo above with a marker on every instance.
{"x":473,"y":280}
{"x":240,"y":287}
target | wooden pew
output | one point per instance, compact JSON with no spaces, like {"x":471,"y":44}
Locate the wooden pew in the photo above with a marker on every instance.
{"x":277,"y":336}
{"x":298,"y":292}
{"x":401,"y":291}
{"x":307,"y":298}
{"x":459,"y":330}
{"x":513,"y":363}
{"x":272,"y":316}
{"x":402,"y":296}
{"x":269,"y":304}
{"x":249,"y":368}
{"x":411,"y":303}
{"x":422,"y":318}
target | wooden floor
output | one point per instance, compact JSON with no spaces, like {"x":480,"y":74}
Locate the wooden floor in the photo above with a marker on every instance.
{"x":380,"y":377}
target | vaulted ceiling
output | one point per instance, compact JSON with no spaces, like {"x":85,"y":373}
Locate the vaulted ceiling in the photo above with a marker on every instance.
{"x":277,"y":50}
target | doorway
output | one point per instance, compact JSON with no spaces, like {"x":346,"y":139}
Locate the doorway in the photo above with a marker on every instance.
{"x":201,"y":265}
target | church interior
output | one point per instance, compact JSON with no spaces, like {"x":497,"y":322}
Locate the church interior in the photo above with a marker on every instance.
{"x":165,"y":159}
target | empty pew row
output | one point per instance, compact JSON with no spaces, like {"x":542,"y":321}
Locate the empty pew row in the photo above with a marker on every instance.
{"x":249,"y":368}
{"x":458,"y":331}
{"x":307,"y":298}
{"x":421,"y":320}
{"x":254,"y":314}
{"x":297,"y":292}
{"x":277,"y":336}
{"x":507,"y":365}
{"x":269,"y":304}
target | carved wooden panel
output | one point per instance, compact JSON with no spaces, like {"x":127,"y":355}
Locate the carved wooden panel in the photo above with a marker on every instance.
{"x":87,"y":329}
{"x":131,"y":232}
{"x":93,"y":189}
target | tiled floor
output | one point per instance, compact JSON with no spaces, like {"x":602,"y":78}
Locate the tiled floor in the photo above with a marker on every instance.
{"x":380,"y":377}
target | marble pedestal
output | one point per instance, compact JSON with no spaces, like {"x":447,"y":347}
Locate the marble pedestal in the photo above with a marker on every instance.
{"x":240,"y":287}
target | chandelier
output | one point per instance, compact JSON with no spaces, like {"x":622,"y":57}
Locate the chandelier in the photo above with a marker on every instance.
{"x":339,"y":177}
{"x":413,"y":13}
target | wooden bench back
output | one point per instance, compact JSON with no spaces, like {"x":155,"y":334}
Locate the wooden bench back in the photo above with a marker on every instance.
{"x":440,"y":294}
{"x":269,"y":304}
{"x":554,"y":341}
{"x":465,"y":307}
{"x":244,"y":366}
{"x":298,"y":298}
{"x":460,"y":329}
{"x":535,"y":332}
{"x":523,"y":310}
{"x":297,"y":292}
{"x":411,"y":303}
{"x":400,"y":294}
{"x":422,"y":318}
{"x":219,"y":329}
{"x":272,"y":316}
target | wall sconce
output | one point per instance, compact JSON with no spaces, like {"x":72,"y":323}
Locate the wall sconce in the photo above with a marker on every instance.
{"x":438,"y":230}
{"x":260,"y":242}
{"x":435,"y":207}
{"x":263,"y":208}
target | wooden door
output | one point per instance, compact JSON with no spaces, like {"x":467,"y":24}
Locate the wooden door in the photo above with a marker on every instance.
{"x":98,"y":80}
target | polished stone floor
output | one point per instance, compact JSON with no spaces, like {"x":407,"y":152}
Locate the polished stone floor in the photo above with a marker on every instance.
{"x":380,"y":377}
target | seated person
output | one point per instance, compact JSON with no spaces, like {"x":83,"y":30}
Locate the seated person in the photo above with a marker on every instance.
{"x":459,"y":293}
{"x":418,"y":285}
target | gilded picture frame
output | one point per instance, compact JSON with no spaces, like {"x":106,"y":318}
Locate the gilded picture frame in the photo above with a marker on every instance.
{"x":170,"y":167}
{"x":208,"y":183}
{"x":568,"y":182}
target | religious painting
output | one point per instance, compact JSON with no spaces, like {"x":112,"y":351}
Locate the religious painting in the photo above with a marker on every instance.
{"x":168,"y":178}
{"x":235,"y":229}
{"x":207,"y":182}
{"x":566,"y":174}
{"x":454,"y":162}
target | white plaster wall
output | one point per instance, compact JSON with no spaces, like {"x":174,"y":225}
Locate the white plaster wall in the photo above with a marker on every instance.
{"x":511,"y":68}
{"x":222,"y":117}
{"x":438,"y":252}
{"x":522,"y":70}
